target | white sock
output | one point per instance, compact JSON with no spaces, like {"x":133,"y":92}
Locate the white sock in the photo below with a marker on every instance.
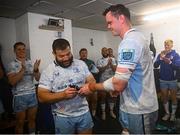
{"x":166,"y":107}
{"x":103,"y":107}
{"x":174,"y":107}
{"x":111,"y":106}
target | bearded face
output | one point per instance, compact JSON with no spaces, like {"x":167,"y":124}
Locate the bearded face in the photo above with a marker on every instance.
{"x":65,"y":63}
{"x":64,"y":58}
{"x":104,"y":52}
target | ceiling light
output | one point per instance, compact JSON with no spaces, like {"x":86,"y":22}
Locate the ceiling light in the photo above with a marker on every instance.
{"x":85,"y":17}
{"x":84,"y":4}
{"x":163,"y":14}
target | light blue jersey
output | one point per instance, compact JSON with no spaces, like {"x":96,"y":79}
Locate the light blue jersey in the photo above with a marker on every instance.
{"x":108,"y":73}
{"x":140,"y":95}
{"x":26,"y":84}
{"x":56,"y":79}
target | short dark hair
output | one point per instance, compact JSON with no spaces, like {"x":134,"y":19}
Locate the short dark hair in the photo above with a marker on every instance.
{"x":17,"y":44}
{"x":83,"y":49}
{"x":118,"y":10}
{"x":60,"y":44}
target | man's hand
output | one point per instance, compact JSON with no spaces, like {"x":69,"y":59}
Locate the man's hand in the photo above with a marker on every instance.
{"x":119,"y":85}
{"x":36,"y":65}
{"x":109,"y":61}
{"x":162,"y":54}
{"x":167,"y":60}
{"x":85,"y":90}
{"x":70,"y":93}
{"x":114,"y":93}
{"x":23,"y":66}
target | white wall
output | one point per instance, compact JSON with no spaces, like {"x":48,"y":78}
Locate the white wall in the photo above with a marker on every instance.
{"x":22,"y":32}
{"x":7,"y":39}
{"x":41,"y":40}
{"x":113,"y":42}
{"x":38,"y":41}
{"x":163,"y":29}
{"x":81,"y":39}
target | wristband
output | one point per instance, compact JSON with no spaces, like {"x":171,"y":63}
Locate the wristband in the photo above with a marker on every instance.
{"x":108,"y":84}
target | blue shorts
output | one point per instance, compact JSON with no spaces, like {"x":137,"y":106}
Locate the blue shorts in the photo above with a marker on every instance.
{"x":168,"y":85}
{"x":23,"y":102}
{"x":138,"y":123}
{"x":70,"y":125}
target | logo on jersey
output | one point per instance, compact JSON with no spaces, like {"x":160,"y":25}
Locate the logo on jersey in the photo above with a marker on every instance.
{"x":76,"y":70}
{"x":127,"y":55}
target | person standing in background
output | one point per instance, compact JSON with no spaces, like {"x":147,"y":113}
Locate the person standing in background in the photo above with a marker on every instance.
{"x":112,"y":98}
{"x":110,"y":52}
{"x":133,"y":79}
{"x":107,"y":67}
{"x":169,"y":61}
{"x":21,"y":73}
{"x":92,"y":99}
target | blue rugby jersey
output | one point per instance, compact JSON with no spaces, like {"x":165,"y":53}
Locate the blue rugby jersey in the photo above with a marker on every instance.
{"x":168,"y":71}
{"x":26,"y":84}
{"x":139,"y":97}
{"x":56,"y":79}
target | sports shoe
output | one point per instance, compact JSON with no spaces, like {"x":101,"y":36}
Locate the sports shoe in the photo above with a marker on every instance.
{"x":166,"y":117}
{"x":124,"y":132}
{"x":112,"y":114}
{"x":173,"y":117}
{"x":103,"y":117}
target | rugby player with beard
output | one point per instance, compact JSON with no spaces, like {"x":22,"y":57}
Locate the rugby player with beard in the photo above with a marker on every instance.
{"x":59,"y":84}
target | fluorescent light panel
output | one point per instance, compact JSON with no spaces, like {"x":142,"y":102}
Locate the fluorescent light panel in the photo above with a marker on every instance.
{"x":161,"y":15}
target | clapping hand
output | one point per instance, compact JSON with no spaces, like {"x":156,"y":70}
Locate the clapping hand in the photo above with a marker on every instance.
{"x":162,"y":54}
{"x":36,"y":65}
{"x":163,"y":57}
{"x":23,"y":67}
{"x":109,"y":61}
{"x":167,"y":60}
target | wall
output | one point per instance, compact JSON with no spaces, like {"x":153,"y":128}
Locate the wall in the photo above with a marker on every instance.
{"x":41,"y":40}
{"x":113,"y":42}
{"x":38,"y":41}
{"x":22,"y":32}
{"x":7,"y":39}
{"x":81,"y":39}
{"x":163,"y":29}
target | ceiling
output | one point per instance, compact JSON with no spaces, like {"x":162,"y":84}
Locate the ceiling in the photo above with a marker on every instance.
{"x":83,"y":13}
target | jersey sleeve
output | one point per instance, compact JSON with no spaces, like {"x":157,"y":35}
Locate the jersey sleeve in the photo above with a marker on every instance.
{"x":46,"y":79}
{"x":11,"y":68}
{"x":129,"y":54}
